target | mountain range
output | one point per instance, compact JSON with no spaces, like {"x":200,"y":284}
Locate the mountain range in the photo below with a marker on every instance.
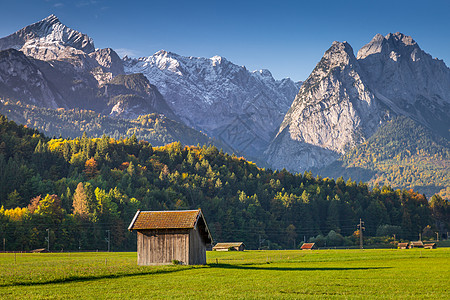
{"x":344,"y":108}
{"x":347,"y":98}
{"x":241,"y":108}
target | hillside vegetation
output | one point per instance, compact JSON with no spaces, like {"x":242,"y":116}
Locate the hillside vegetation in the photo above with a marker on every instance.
{"x":79,"y":188}
{"x":155,"y":128}
{"x":401,"y":154}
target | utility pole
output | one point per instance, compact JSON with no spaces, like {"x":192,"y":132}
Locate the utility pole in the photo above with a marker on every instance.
{"x":48,"y":239}
{"x":361,"y":228}
{"x":261,"y":241}
{"x":108,"y":239}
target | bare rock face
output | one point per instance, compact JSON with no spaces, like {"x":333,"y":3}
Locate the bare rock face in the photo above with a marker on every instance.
{"x":226,"y":101}
{"x":345,"y":99}
{"x":48,"y":39}
{"x":408,"y":80}
{"x":21,"y":79}
{"x":131,"y":95}
{"x":55,"y":66}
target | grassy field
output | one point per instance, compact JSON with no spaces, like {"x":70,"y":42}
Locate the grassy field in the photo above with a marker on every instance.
{"x":399,"y":274}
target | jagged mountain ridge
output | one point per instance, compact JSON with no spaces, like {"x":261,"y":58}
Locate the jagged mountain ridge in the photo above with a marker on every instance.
{"x":346,"y":98}
{"x":71,"y":73}
{"x":224,"y":100}
{"x":49,"y":37}
{"x":214,"y":95}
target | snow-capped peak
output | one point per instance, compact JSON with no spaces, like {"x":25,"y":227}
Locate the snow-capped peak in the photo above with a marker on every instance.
{"x":48,"y":33}
{"x":216,"y":60}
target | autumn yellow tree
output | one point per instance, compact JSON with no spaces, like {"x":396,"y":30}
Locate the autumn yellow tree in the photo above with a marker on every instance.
{"x":90,"y":168}
{"x":80,"y":203}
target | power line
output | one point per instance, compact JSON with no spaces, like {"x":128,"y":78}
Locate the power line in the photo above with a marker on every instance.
{"x":361,"y":229}
{"x":108,"y":239}
{"x":48,"y":239}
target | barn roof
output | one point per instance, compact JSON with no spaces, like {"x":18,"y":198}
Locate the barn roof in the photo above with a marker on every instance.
{"x":417,"y":244}
{"x":227,"y":245}
{"x":307,"y":245}
{"x":175,"y":219}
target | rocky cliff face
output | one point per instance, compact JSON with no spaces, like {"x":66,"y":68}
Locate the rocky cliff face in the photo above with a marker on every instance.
{"x":346,"y":98}
{"x":130,"y":95}
{"x":21,"y":79}
{"x":48,"y":39}
{"x":226,"y":101}
{"x":408,"y":80}
{"x":241,"y":108}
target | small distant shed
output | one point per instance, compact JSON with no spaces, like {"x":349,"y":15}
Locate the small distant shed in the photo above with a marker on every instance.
{"x":238,"y":246}
{"x":309,"y":246}
{"x":167,"y":236}
{"x":40,"y":250}
{"x":402,"y":246}
{"x":416,"y":244}
{"x":430,"y":246}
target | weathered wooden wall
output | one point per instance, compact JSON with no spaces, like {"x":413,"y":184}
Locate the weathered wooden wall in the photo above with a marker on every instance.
{"x":158,"y":247}
{"x":197,"y":248}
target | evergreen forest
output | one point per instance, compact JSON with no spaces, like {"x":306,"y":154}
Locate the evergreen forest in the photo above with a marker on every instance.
{"x":76,"y":191}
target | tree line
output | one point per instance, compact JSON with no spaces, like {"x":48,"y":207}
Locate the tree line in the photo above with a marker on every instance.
{"x":80,"y":188}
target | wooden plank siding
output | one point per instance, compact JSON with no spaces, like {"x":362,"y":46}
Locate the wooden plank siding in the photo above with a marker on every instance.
{"x":165,"y":236}
{"x":156,"y":247}
{"x":197,"y":248}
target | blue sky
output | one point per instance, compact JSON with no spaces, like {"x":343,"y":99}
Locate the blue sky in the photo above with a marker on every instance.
{"x":286,"y":37}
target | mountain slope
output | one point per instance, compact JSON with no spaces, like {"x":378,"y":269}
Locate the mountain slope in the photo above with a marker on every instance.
{"x":64,"y":70}
{"x":154,"y":128}
{"x":21,"y":79}
{"x":241,"y":108}
{"x":408,"y":80}
{"x":402,"y":154}
{"x":332,"y":112}
{"x":345,"y":100}
{"x":220,"y":98}
{"x":132,"y":95}
{"x":112,"y":178}
{"x":48,"y":38}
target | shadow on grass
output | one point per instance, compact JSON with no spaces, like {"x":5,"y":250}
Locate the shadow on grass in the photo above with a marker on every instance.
{"x":268,"y":268}
{"x":78,"y":278}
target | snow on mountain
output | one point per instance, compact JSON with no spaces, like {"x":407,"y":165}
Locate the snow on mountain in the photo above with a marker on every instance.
{"x":226,"y":101}
{"x":47,"y":38}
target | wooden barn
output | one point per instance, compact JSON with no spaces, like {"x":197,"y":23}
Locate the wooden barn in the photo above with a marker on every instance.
{"x":164,"y":237}
{"x":430,"y":246}
{"x":402,"y":246}
{"x":416,"y":244}
{"x":240,"y":246}
{"x":309,"y":246}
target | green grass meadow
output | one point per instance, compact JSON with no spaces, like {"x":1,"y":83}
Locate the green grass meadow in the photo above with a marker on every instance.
{"x":359,"y":274}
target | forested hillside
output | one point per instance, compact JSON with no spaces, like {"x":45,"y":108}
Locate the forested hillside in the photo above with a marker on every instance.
{"x":155,"y":128}
{"x":80,"y":188}
{"x":402,"y":154}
